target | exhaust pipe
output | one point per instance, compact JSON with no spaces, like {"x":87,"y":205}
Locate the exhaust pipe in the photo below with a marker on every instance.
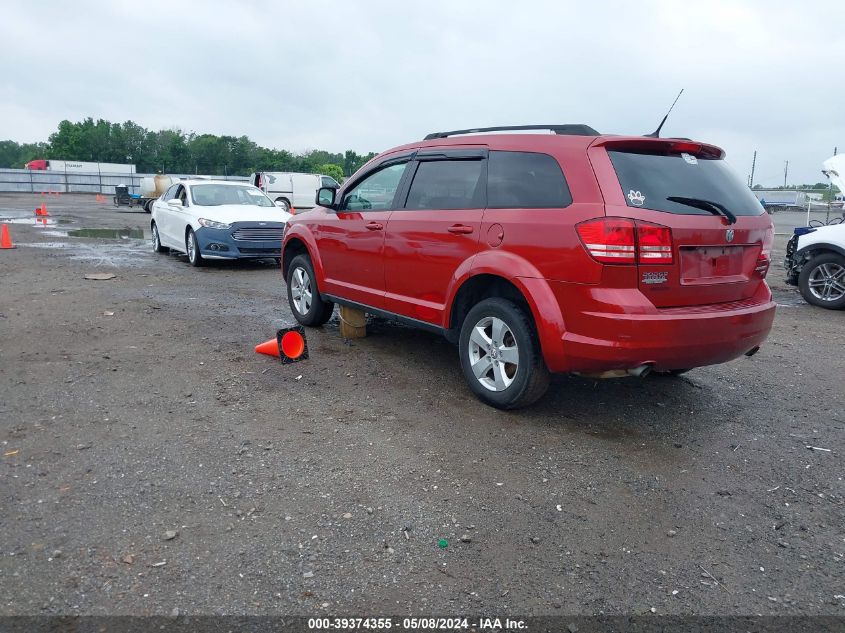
{"x":640,"y":372}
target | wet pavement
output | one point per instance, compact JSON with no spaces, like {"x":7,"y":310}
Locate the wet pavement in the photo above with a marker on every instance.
{"x":133,"y":407}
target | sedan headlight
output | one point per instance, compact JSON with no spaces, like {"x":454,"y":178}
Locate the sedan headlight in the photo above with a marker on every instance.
{"x":211,"y":224}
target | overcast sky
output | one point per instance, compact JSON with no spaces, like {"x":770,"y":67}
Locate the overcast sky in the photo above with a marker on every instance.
{"x":762,"y":75}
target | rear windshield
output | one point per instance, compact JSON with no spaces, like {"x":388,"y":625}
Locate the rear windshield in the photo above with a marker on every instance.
{"x":649,"y":179}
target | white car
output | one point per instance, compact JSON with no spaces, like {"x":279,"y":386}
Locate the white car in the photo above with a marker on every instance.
{"x":208,"y":219}
{"x":815,"y":262}
{"x":292,"y":190}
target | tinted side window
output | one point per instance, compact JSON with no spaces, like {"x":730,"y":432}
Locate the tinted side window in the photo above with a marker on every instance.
{"x":376,"y":191}
{"x":170,"y":193}
{"x":525,"y":180}
{"x":447,"y":184}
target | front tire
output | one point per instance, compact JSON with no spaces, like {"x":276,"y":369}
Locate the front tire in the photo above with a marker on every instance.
{"x":822,"y":281}
{"x":192,"y":248}
{"x":307,"y":306}
{"x":156,"y":239}
{"x":500,"y":355}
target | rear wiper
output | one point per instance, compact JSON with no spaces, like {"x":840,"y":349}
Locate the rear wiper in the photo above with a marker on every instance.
{"x":707,"y":205}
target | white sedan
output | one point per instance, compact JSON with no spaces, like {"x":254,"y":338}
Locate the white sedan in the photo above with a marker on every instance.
{"x":208,"y":219}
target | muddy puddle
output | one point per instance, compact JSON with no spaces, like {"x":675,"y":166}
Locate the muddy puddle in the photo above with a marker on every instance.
{"x":110,"y":234}
{"x":34,"y":221}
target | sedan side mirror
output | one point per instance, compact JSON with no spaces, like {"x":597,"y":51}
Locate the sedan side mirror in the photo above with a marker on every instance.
{"x":326,"y":197}
{"x":175,"y":202}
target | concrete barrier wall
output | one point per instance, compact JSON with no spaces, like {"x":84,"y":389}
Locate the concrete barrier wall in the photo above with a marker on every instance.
{"x":33,"y":181}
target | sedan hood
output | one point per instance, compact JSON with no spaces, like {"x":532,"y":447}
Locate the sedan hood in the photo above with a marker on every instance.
{"x":230,"y":213}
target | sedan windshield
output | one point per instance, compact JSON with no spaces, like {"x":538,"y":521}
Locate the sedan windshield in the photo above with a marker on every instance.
{"x":213,"y":195}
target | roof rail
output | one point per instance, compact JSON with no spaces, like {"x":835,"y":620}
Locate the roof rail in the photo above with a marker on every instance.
{"x":573,"y":129}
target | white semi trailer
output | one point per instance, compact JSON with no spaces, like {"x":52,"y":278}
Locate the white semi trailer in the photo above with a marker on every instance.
{"x":78,"y":166}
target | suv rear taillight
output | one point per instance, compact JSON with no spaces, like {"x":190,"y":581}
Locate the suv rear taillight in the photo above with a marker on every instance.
{"x":761,"y":268}
{"x":621,"y":241}
{"x":609,"y":240}
{"x":654,"y":243}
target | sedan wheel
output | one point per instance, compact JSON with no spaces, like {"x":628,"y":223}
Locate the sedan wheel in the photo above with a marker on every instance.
{"x":822,"y":281}
{"x":157,"y":247}
{"x":192,"y":248}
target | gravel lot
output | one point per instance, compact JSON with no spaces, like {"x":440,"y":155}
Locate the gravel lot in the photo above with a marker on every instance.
{"x":152,"y":461}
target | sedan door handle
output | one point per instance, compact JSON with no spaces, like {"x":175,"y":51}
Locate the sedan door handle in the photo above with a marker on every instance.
{"x":374,"y":226}
{"x":460,"y":229}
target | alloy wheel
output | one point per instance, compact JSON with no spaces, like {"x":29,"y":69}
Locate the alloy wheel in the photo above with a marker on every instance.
{"x":827,"y":282}
{"x":493,"y":354}
{"x":191,"y":247}
{"x":301,"y":290}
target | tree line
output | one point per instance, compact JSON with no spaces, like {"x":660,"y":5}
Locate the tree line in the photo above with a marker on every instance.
{"x":173,"y":151}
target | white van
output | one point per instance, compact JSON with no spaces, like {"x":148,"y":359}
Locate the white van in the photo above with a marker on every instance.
{"x":291,"y":189}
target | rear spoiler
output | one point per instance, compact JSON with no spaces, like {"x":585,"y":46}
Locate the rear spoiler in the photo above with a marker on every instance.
{"x":659,"y":146}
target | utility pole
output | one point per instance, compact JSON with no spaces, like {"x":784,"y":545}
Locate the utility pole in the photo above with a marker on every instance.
{"x":785,"y":172}
{"x":753,"y":165}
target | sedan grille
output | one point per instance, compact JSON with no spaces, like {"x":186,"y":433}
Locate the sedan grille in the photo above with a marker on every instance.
{"x":258,"y":234}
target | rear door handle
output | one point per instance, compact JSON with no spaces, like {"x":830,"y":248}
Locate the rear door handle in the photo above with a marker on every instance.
{"x":374,"y":226}
{"x":460,"y":229}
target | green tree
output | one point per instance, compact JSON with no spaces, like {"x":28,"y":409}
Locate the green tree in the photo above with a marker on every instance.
{"x":330,"y":169}
{"x":173,"y":151}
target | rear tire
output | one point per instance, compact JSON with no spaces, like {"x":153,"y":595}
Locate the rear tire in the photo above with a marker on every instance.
{"x":304,"y":299}
{"x":156,"y":239}
{"x":192,"y":248}
{"x":822,"y":281}
{"x":500,"y":355}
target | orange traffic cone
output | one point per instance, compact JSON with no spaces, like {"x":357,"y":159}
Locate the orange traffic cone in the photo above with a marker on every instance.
{"x":6,"y":241}
{"x":42,"y":210}
{"x":271,"y":347}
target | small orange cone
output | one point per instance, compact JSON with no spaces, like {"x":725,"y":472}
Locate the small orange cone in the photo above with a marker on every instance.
{"x":42,"y":210}
{"x":271,"y":347}
{"x":6,"y":241}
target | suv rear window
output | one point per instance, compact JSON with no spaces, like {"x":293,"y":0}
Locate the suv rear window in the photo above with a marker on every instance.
{"x":525,"y":180}
{"x":649,"y":179}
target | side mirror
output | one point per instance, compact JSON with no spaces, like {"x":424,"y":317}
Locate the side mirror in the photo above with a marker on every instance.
{"x":326,"y":197}
{"x":281,"y":204}
{"x":175,"y":202}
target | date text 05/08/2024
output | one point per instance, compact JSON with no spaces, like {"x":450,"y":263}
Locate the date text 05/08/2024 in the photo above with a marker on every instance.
{"x":418,"y":624}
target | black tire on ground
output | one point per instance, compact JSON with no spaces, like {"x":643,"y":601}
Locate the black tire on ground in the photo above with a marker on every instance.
{"x":313,"y":311}
{"x":530,"y":379}
{"x":156,"y":239}
{"x":192,"y":248}
{"x":813,"y":273}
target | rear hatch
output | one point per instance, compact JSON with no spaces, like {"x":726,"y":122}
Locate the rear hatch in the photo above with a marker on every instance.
{"x":719,"y":237}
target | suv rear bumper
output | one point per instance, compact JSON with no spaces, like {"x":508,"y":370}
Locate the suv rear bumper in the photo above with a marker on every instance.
{"x":669,"y":338}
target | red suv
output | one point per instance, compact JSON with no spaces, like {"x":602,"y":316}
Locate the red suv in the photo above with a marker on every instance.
{"x":535,"y":253}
